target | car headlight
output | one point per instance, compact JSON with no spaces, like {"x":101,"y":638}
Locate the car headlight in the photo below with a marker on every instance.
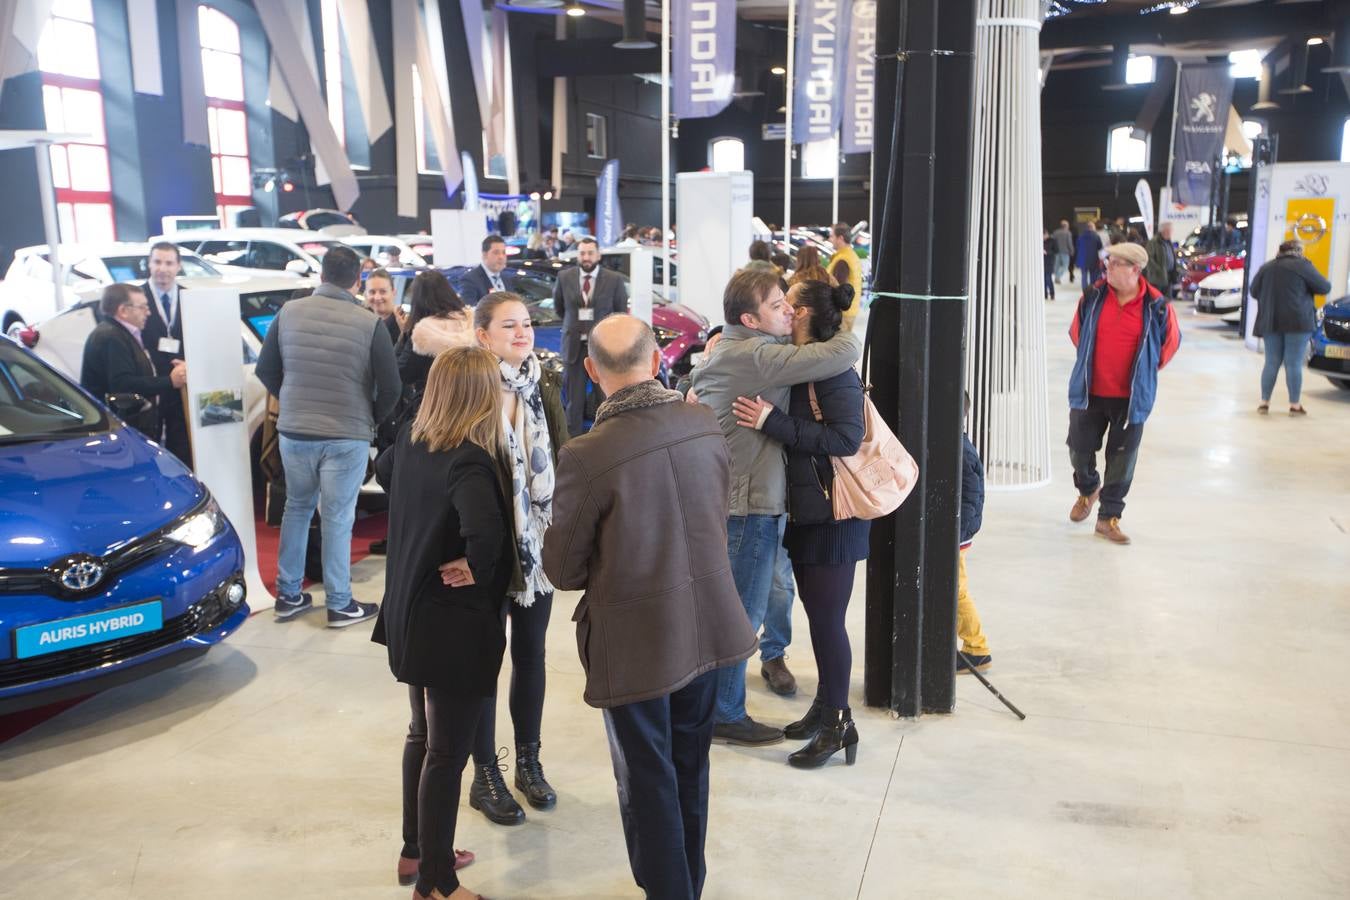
{"x":665,"y":336}
{"x":197,"y":530}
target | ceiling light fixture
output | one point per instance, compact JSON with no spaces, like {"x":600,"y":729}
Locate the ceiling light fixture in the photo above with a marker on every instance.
{"x":778,"y":70}
{"x":1314,"y":42}
{"x":1178,"y":9}
{"x":574,"y":9}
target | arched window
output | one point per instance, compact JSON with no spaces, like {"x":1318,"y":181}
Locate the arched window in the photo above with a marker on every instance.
{"x":226,"y":121}
{"x":1139,"y":70}
{"x":820,"y":159}
{"x":1125,"y":153}
{"x":428,"y":163}
{"x":72,"y":100}
{"x":726,"y":154}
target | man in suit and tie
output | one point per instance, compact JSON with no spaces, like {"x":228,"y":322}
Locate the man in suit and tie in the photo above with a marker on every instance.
{"x":490,"y":275}
{"x":116,"y":362}
{"x":162,"y":337}
{"x":584,"y":294}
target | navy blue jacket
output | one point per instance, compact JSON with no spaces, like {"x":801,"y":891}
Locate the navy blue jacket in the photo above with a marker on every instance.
{"x":810,"y":444}
{"x":972,"y":491}
{"x":1089,"y":245}
{"x":476,"y":285}
{"x":1157,"y":346}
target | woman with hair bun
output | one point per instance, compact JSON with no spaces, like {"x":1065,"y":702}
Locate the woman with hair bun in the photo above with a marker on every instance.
{"x":824,"y":552}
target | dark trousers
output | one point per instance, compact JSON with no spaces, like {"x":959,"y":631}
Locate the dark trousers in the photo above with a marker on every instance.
{"x":576,"y":381}
{"x":175,"y":427}
{"x":825,"y":592}
{"x":1104,"y":416}
{"x":439,"y":737}
{"x":529,"y":627}
{"x":660,"y":753}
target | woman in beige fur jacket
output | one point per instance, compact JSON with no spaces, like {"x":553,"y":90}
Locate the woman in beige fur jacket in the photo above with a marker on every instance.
{"x":437,"y":321}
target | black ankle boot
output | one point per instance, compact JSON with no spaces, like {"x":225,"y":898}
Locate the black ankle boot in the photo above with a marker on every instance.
{"x":836,"y":733}
{"x":806,"y":727}
{"x":530,"y":777}
{"x":488,"y":795}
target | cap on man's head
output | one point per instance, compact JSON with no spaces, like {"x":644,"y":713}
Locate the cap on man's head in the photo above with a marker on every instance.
{"x":1132,"y":253}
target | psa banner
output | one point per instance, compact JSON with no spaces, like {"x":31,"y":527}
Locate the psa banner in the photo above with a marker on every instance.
{"x":703,"y":69}
{"x":860,"y":88}
{"x":608,"y":218}
{"x":822,"y":28}
{"x":1204,"y":94}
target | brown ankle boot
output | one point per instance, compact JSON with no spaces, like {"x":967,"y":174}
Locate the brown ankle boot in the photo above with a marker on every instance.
{"x":1110,"y":529}
{"x":780,"y":680}
{"x":1082,"y":507}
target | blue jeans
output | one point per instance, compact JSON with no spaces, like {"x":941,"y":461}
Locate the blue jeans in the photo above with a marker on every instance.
{"x":1287,"y":349}
{"x":326,"y":474}
{"x":773,"y":643}
{"x":753,"y":543}
{"x":1061,"y":266}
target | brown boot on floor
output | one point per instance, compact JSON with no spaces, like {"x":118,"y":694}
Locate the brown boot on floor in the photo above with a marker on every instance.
{"x":1082,"y":507}
{"x":1110,"y":529}
{"x":780,"y":680}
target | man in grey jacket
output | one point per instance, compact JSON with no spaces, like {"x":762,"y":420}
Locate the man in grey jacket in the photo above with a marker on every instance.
{"x":331,"y":364}
{"x":757,"y":358}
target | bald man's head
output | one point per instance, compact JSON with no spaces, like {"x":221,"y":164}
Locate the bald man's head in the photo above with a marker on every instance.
{"x":622,"y":351}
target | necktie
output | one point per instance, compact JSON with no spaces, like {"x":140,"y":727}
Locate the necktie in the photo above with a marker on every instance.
{"x":167,"y":299}
{"x":586,"y":290}
{"x":497,"y":283}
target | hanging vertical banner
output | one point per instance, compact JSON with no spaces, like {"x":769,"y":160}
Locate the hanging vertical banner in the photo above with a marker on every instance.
{"x":191,"y":81}
{"x":1204,"y":94}
{"x":703,"y":70}
{"x":470,"y":179}
{"x":608,"y":218}
{"x":860,"y":79}
{"x":822,"y":28}
{"x":143,"y":27}
{"x":1143,"y":195}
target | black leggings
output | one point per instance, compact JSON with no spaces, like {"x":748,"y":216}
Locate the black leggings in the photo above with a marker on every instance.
{"x":434,"y":756}
{"x":825,"y":592}
{"x":529,"y":627}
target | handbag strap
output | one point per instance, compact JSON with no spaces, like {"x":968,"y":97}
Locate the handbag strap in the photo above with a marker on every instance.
{"x":815,"y":404}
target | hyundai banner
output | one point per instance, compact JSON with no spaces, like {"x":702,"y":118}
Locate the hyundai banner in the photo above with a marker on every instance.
{"x":860,"y":78}
{"x":704,"y":64}
{"x":608,"y":218}
{"x":822,"y":29}
{"x":1204,"y":94}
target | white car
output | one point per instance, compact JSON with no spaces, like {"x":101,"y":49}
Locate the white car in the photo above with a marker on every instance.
{"x":1220,"y":295}
{"x":377,"y":247}
{"x":278,"y":251}
{"x":27,"y":294}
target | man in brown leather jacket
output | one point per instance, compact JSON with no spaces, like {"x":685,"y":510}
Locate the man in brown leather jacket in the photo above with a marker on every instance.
{"x":660,"y":613}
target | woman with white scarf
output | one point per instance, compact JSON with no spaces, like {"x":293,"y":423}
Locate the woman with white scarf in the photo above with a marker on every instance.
{"x":535,"y":429}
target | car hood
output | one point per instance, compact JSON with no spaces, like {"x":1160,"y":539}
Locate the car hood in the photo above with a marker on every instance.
{"x":692,"y":321}
{"x":1338,"y":309}
{"x":1229,"y":280}
{"x":86,"y":495}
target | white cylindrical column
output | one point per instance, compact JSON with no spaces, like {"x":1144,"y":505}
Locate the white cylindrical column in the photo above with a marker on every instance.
{"x":1005,"y":326}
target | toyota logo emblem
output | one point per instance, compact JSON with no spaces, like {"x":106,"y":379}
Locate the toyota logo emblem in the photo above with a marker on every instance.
{"x":82,"y":575}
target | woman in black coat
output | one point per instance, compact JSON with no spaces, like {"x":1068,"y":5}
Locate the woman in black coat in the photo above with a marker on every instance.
{"x":1286,"y":316}
{"x":446,"y":579}
{"x":824,"y":552}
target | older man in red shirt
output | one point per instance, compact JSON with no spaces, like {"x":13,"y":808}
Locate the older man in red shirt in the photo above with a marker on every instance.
{"x":1125,"y":331}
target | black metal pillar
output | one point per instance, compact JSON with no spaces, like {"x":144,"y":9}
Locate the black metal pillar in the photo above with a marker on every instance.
{"x":921,"y":209}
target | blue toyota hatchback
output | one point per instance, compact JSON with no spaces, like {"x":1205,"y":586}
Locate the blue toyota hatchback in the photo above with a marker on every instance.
{"x":1329,"y":349}
{"x":114,"y":560}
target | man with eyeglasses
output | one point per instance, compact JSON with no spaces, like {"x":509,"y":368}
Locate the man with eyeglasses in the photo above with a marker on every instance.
{"x":117,"y":362}
{"x":1125,"y":332}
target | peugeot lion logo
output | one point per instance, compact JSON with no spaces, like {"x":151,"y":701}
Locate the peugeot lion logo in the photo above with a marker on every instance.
{"x":1202,"y":107}
{"x":82,"y":575}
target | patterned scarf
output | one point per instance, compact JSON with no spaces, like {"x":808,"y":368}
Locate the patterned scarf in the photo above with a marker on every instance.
{"x":531,"y":475}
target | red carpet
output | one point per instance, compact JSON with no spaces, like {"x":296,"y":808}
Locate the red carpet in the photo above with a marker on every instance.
{"x":367,"y":528}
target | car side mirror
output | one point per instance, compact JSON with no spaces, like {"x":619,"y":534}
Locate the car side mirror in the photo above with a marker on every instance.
{"x":127,"y":405}
{"x":298,"y":267}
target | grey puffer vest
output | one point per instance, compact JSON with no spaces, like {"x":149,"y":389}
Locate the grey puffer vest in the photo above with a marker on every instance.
{"x":329,"y":388}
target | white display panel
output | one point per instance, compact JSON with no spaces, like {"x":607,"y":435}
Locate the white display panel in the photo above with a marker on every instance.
{"x":640,"y":284}
{"x":457,"y":236}
{"x":713,"y":216}
{"x":220,"y":450}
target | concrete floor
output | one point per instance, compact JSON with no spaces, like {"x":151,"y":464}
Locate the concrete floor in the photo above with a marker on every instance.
{"x":1188,"y":730}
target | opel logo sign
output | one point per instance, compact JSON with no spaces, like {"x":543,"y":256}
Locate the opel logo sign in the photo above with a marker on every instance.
{"x":82,"y":575}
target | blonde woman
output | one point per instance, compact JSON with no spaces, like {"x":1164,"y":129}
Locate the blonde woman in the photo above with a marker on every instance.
{"x":810,"y":269}
{"x":443,"y":622}
{"x":535,"y":426}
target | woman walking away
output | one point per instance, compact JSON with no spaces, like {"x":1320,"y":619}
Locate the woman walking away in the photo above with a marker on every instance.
{"x":823,"y":419}
{"x":436,"y":321}
{"x":535,"y":426}
{"x":809,"y":268}
{"x":442,"y":622}
{"x":1286,"y":315}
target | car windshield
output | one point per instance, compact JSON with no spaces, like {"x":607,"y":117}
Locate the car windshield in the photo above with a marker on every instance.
{"x":258,"y":310}
{"x":316,"y":220}
{"x":317,"y":249}
{"x":38,"y":404}
{"x":135,"y":268}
